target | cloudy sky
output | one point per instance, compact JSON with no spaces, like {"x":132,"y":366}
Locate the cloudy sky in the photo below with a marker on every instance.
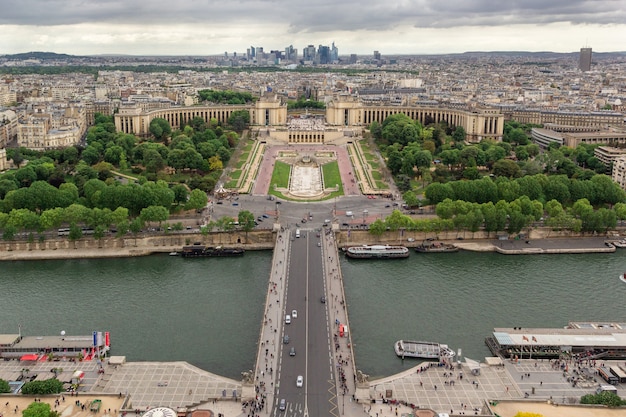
{"x":209,"y":27}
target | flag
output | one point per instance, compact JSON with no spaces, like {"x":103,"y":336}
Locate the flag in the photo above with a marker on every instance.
{"x":534,"y":339}
{"x":525,"y":338}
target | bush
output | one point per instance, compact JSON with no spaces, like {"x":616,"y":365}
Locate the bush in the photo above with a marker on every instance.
{"x":50,"y":386}
{"x":4,"y":387}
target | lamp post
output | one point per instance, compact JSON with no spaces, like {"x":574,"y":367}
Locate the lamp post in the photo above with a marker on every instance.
{"x":343,"y":404}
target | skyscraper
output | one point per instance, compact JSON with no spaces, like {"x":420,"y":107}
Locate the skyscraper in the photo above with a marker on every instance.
{"x":584,"y":63}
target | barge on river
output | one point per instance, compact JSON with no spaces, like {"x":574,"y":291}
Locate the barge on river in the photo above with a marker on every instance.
{"x":586,"y":340}
{"x":435,"y":246}
{"x":422,"y":350}
{"x":201,"y":251}
{"x":45,"y":348}
{"x":377,"y":252}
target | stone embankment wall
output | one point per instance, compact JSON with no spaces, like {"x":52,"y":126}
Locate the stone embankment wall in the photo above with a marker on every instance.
{"x":411,"y":238}
{"x":88,"y":247}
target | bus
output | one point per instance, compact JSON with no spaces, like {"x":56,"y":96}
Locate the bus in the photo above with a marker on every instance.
{"x":619,"y":373}
{"x":608,"y":376}
{"x":66,"y":231}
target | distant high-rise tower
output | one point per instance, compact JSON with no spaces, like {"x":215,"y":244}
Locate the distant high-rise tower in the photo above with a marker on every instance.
{"x":377,"y":55}
{"x":584,"y":63}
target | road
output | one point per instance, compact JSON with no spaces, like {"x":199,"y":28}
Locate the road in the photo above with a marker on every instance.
{"x":309,"y":334}
{"x":292,"y":213}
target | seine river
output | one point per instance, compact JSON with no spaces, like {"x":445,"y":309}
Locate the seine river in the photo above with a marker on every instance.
{"x":208,"y":311}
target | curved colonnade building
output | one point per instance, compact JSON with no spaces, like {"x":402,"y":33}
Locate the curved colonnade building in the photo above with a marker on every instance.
{"x":271,"y":111}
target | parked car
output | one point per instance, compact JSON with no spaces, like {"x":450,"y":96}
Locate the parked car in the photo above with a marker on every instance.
{"x":286,"y":339}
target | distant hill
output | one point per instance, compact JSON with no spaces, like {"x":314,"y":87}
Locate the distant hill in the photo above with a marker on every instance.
{"x":42,"y":56}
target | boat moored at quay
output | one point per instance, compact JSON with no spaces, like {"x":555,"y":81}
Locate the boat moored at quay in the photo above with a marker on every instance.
{"x":586,"y":340}
{"x":435,"y":246}
{"x":422,"y":350}
{"x":376,"y":252}
{"x":45,"y":348}
{"x":201,"y":251}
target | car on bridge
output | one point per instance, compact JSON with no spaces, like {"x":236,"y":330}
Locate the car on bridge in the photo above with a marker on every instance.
{"x":294,"y":314}
{"x":299,"y":381}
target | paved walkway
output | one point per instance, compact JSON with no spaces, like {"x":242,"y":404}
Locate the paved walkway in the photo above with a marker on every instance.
{"x":271,"y":329}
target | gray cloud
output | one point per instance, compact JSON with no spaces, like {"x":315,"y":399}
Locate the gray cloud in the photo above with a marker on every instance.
{"x":315,"y":15}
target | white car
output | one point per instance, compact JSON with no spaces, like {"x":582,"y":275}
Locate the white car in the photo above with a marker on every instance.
{"x":287,"y":319}
{"x":294,"y":314}
{"x":299,"y":381}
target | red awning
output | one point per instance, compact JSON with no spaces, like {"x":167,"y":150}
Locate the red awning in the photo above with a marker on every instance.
{"x":29,"y":357}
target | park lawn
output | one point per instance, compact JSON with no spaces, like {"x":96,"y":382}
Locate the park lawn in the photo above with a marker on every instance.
{"x":231,"y":184}
{"x":248,"y":146}
{"x":242,"y":160}
{"x":280,"y":175}
{"x":235,"y":175}
{"x":331,"y":179}
{"x":331,"y":173}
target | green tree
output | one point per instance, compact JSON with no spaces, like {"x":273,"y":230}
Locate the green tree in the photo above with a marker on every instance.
{"x":410,"y":199}
{"x":377,"y":228}
{"x":181,"y":193}
{"x":153,"y":160}
{"x":506,"y":168}
{"x":160,"y":128}
{"x":459,"y":134}
{"x":47,"y":387}
{"x":437,"y":192}
{"x":604,"y":398}
{"x":197,"y":200}
{"x":246,"y":220}
{"x":154,"y":214}
{"x":239,"y":120}
{"x":5,"y":388}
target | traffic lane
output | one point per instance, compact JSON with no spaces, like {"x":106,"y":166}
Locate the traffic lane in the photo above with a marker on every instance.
{"x":292,"y":366}
{"x":320,"y":378}
{"x":294,"y":212}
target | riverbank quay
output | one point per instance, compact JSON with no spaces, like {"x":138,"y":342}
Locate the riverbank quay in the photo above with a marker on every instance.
{"x":89,"y":248}
{"x":493,"y":388}
{"x":128,"y":388}
{"x":539,"y":246}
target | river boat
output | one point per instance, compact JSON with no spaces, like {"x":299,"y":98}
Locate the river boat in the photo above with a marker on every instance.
{"x":587,"y":340}
{"x":377,"y":252}
{"x":623,"y":277}
{"x":422,"y":350}
{"x":435,"y":246}
{"x":202,"y":251}
{"x":62,"y":347}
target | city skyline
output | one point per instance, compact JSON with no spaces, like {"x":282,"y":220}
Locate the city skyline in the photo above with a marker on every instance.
{"x":95,"y":27}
